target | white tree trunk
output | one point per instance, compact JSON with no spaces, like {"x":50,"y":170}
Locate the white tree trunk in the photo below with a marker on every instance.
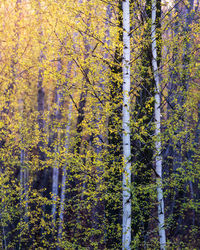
{"x":56,"y":167}
{"x":54,"y":192}
{"x":126,"y":236}
{"x":158,"y":160}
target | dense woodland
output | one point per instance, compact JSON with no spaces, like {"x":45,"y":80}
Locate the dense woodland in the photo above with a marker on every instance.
{"x":99,"y":124}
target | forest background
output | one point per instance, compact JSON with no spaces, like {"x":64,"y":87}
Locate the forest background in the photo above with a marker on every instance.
{"x":61,"y":120}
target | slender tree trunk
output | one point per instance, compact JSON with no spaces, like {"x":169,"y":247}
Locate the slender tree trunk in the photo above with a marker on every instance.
{"x":22,"y":157}
{"x":158,"y":160}
{"x":59,"y":102}
{"x":24,"y":183}
{"x":126,"y":236}
{"x":41,"y":99}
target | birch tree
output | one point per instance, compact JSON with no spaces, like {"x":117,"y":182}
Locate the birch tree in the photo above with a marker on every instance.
{"x":126,"y":224}
{"x":158,"y":157}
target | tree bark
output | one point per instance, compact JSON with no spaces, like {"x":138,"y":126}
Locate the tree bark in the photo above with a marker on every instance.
{"x":126,"y":234}
{"x":55,"y":176}
{"x":158,"y":158}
